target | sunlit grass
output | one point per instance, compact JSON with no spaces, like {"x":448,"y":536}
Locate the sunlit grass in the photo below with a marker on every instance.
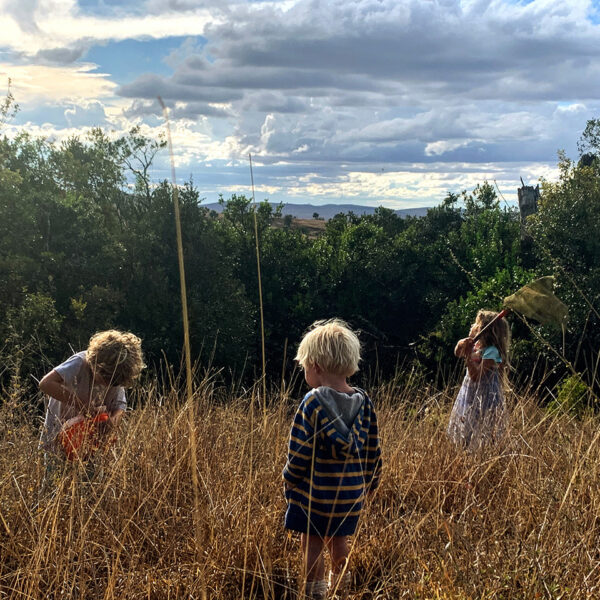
{"x":521,"y":521}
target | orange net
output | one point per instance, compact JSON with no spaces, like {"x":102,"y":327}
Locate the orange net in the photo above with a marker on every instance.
{"x":81,"y":439}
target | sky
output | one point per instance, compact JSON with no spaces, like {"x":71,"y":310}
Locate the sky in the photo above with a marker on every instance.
{"x":372,"y":102}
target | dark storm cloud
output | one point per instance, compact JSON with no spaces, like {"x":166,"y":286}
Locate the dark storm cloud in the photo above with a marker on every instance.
{"x":151,"y":86}
{"x":274,"y":102}
{"x":59,"y":56}
{"x":431,"y":46}
{"x":406,"y":80}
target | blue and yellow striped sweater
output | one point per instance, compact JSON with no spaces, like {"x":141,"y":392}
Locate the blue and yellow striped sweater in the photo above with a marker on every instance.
{"x":334,"y":459}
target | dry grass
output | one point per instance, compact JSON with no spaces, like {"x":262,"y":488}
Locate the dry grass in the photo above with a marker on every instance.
{"x":518,"y":522}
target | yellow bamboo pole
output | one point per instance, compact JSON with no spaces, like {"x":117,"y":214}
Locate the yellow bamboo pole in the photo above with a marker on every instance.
{"x":186,"y":335}
{"x":260,"y":301}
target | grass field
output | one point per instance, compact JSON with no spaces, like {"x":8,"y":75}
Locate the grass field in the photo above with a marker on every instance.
{"x":521,"y":521}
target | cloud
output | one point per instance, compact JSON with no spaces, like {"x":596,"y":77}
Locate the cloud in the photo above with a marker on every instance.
{"x":425,"y":66}
{"x":150,"y":85}
{"x":22,"y":13}
{"x":392,"y":188}
{"x":181,"y":110}
{"x":442,"y":146}
{"x":75,"y":84}
{"x":189,"y":47}
{"x":194,"y":110}
{"x":30,"y":27}
{"x":85,"y":115}
{"x":436,"y":92}
{"x":59,"y":55}
{"x":277,"y":102}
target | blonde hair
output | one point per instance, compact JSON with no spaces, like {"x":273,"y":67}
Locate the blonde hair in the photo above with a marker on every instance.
{"x":332,"y":345}
{"x":497,"y":334}
{"x":116,"y":356}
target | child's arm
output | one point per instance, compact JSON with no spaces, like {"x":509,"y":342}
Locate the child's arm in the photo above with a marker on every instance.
{"x":476,"y":366}
{"x":53,"y":385}
{"x":464,"y":347}
{"x":299,"y":447}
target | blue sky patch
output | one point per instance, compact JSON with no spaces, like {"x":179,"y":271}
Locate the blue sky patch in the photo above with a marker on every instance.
{"x":128,"y":59}
{"x":44,"y":114}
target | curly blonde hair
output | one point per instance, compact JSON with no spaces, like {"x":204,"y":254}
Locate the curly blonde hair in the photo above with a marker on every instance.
{"x":116,"y":356}
{"x":332,"y":345}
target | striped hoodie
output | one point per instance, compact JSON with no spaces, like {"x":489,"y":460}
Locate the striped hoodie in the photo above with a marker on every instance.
{"x":334,"y":459}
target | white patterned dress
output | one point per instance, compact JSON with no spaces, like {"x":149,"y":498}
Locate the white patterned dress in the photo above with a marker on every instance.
{"x":479,"y":415}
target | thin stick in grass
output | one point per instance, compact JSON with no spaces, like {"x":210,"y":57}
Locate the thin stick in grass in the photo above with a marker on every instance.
{"x":260,"y":300}
{"x":249,"y":505}
{"x":186,"y":335}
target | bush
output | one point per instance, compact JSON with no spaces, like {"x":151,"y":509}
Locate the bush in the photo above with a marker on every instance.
{"x":572,"y":397}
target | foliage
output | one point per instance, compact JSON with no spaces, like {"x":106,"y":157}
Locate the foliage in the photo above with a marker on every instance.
{"x":571,"y":396}
{"x":91,"y":251}
{"x":589,"y":142}
{"x":105,"y":258}
{"x":565,"y":233}
{"x":8,"y":106}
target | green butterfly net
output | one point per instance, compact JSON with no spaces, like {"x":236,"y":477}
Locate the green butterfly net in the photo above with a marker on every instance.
{"x":536,"y":300}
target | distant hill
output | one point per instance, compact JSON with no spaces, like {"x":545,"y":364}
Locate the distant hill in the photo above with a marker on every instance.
{"x":326,"y":211}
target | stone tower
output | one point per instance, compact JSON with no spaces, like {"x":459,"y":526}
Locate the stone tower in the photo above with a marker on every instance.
{"x":528,"y":202}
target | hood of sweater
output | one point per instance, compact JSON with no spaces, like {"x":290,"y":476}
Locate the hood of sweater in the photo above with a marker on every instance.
{"x":345,"y":414}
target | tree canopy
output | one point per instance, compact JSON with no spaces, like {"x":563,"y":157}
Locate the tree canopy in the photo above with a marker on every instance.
{"x":82,"y":250}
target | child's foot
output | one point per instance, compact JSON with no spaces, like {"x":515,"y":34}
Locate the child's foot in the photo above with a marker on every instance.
{"x":315,"y":590}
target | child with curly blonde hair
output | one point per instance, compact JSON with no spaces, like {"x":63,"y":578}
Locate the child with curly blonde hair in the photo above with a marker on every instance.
{"x":89,"y":383}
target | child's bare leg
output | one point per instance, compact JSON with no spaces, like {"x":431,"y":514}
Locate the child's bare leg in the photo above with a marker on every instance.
{"x":315,"y":586}
{"x":340,"y":578}
{"x":339,"y":548}
{"x":312,"y":553}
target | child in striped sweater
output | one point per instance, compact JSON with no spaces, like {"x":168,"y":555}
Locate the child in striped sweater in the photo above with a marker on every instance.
{"x":334,"y":456}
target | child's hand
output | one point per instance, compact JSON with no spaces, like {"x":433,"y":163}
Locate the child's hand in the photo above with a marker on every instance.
{"x":106,"y":427}
{"x":464,"y":347}
{"x":112,"y":423}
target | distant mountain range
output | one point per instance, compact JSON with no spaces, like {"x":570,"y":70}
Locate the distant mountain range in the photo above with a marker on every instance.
{"x":326,"y":211}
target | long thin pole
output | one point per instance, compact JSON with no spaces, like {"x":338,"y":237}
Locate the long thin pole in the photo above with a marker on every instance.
{"x":260,"y":300}
{"x":184,"y":307}
{"x":186,"y":335}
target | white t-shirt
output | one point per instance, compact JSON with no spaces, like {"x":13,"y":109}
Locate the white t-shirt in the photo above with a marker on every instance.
{"x":78,"y":378}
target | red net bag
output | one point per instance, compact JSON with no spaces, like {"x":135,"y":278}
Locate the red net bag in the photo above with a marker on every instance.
{"x":80,"y":436}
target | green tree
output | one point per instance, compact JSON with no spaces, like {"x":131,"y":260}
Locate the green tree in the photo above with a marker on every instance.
{"x":589,"y":142}
{"x":8,"y":106}
{"x":287,"y":274}
{"x":138,"y":152}
{"x":565,"y":232}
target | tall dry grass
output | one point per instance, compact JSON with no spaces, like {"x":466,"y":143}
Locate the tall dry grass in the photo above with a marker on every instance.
{"x":521,"y":521}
